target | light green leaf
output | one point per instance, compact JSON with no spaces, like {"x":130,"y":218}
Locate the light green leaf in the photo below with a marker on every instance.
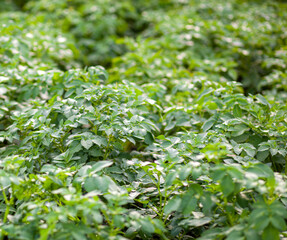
{"x":208,"y":124}
{"x":227,"y":185}
{"x":147,"y":226}
{"x":172,"y":205}
{"x":100,"y":165}
{"x":262,"y":100}
{"x":96,"y":183}
{"x":86,"y":143}
{"x":170,"y":178}
{"x":237,"y":112}
{"x":249,"y":149}
{"x":184,"y":172}
{"x":100,"y":141}
{"x":196,"y":222}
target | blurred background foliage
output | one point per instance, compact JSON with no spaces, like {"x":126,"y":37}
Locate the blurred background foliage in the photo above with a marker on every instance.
{"x":239,"y":40}
{"x":247,"y":37}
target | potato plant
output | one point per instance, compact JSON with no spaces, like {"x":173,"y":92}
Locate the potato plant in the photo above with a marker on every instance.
{"x":182,"y":136}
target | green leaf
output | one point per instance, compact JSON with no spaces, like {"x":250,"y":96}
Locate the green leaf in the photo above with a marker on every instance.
{"x":262,"y":221}
{"x":196,"y":222}
{"x":218,"y":174}
{"x":159,"y":226}
{"x":95,"y":152}
{"x":262,"y":100}
{"x":100,"y":165}
{"x":227,"y":185}
{"x":237,"y":112}
{"x":48,"y":168}
{"x":170,"y":125}
{"x":185,"y":171}
{"x":270,"y":233}
{"x":170,"y":178}
{"x":261,"y":170}
{"x":204,"y":93}
{"x":233,"y":74}
{"x":278,"y":209}
{"x":208,"y":124}
{"x":239,"y":129}
{"x":262,"y":155}
{"x":249,"y":149}
{"x":147,"y":226}
{"x":278,"y":223}
{"x":86,"y":143}
{"x":273,"y":151}
{"x":208,"y":202}
{"x":5,"y":182}
{"x":149,"y":139}
{"x":166,"y":144}
{"x":100,"y":141}
{"x":172,"y":205}
{"x":235,"y":235}
{"x":96,"y":183}
{"x":188,"y":203}
{"x":75,"y":147}
{"x":252,"y":234}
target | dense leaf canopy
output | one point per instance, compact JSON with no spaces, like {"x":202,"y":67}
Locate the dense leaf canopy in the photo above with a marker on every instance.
{"x":163,"y":119}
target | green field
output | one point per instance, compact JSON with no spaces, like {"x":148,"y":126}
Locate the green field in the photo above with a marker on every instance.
{"x":141,"y":119}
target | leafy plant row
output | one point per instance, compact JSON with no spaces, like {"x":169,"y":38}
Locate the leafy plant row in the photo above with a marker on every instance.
{"x":99,"y":150}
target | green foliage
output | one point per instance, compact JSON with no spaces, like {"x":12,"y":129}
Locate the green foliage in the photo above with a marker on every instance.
{"x":166,"y":144}
{"x":28,"y":41}
{"x":237,"y":40}
{"x":95,"y":25}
